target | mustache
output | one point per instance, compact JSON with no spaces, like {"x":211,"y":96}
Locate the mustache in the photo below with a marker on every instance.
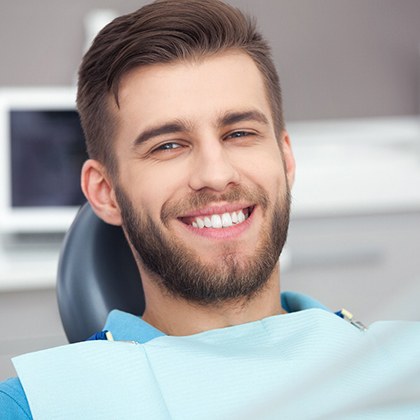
{"x":203,"y":198}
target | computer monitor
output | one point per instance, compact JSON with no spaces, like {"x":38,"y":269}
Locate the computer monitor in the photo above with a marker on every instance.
{"x":41,"y":154}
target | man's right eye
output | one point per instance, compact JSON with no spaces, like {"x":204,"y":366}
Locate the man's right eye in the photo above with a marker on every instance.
{"x":167,"y":146}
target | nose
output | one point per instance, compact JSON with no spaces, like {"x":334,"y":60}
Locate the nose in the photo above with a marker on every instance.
{"x":213,"y":168}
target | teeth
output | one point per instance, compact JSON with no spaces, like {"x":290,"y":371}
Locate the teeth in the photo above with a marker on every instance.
{"x":226,"y":220}
{"x":207,"y":222}
{"x":218,"y":221}
{"x":234,"y":218}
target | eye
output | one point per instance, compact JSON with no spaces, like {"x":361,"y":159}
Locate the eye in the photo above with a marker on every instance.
{"x":167,"y":146}
{"x":167,"y":150}
{"x":239,"y":134}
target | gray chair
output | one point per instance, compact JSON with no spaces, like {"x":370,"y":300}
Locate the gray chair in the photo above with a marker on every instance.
{"x":96,"y":273}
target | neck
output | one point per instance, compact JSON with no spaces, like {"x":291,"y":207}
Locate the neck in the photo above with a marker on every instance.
{"x":175,"y":316}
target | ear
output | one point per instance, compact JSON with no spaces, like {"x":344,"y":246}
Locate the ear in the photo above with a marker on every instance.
{"x":98,"y":189}
{"x":288,"y":158}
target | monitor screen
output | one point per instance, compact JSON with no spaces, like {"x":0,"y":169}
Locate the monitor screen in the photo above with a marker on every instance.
{"x":42,"y":151}
{"x":47,"y":154}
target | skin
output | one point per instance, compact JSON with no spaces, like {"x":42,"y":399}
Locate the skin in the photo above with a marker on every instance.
{"x":202,"y":152}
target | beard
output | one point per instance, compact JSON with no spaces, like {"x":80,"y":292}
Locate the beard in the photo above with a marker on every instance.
{"x":180,"y":271}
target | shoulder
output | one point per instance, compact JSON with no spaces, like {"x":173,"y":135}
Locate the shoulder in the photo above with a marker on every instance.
{"x":13,"y":402}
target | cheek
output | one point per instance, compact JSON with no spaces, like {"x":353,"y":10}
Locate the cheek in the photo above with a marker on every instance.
{"x":150,"y":189}
{"x":267,"y":169}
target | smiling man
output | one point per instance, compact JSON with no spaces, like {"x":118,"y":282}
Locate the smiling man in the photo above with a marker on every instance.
{"x":181,"y":107}
{"x":206,"y":220}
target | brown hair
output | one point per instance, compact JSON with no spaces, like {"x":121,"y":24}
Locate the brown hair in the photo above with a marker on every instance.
{"x":162,"y":32}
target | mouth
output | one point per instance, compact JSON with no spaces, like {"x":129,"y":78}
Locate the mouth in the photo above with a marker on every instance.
{"x":218,"y":220}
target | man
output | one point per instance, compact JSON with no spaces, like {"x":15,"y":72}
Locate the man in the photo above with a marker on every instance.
{"x":181,"y":107}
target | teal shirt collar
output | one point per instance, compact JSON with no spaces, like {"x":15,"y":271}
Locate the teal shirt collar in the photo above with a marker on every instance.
{"x":295,"y":302}
{"x":128,"y":327}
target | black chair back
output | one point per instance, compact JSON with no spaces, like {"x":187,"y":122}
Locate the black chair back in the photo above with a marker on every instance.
{"x":96,"y":273}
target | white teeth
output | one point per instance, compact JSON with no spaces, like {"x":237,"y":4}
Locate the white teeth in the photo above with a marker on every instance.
{"x":217,"y":221}
{"x":234,"y":217}
{"x":226,"y":220}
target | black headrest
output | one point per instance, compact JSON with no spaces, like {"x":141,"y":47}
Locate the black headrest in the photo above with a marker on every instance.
{"x":96,"y":273}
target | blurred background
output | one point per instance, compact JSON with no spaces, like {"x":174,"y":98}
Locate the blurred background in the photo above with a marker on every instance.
{"x":350,"y":73}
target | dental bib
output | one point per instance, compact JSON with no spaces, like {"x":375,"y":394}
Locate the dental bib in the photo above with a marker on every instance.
{"x":307,"y":364}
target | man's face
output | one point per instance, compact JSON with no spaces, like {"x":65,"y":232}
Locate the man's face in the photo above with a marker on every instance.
{"x":202,"y":185}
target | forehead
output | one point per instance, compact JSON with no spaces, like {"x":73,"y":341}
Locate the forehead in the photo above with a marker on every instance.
{"x":195,"y":91}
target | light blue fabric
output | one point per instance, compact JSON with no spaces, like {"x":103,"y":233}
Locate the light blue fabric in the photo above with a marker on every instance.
{"x":307,"y":364}
{"x":13,"y":401}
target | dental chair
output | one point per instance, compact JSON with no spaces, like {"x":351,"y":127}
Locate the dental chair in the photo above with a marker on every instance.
{"x":96,"y":273}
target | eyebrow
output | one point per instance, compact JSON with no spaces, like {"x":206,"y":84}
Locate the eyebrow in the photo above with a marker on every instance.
{"x":167,"y":128}
{"x":231,"y":118}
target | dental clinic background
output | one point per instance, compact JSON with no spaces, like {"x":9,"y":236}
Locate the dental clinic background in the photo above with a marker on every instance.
{"x":350,"y":73}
